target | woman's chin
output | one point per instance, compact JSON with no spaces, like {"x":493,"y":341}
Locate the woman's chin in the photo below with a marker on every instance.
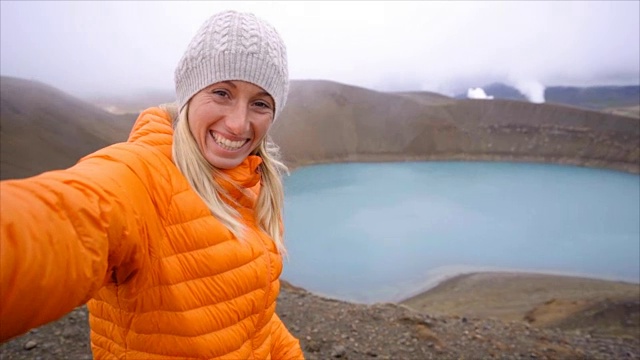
{"x":225,"y":158}
{"x":225,"y":161}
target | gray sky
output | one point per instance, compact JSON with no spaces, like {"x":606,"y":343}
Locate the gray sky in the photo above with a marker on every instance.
{"x":88,"y":48}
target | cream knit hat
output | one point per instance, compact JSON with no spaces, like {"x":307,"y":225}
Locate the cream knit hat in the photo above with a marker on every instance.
{"x":234,"y":46}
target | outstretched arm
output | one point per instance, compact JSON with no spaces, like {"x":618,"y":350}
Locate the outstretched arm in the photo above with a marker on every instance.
{"x":62,"y":234}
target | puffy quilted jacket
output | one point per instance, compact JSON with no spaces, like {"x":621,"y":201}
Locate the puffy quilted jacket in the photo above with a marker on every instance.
{"x":163,"y":278}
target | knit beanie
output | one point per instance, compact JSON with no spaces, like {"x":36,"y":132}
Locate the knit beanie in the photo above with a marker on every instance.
{"x":234,"y":46}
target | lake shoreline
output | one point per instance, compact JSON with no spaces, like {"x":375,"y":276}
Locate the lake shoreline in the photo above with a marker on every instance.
{"x":603,"y":164}
{"x":444,"y":276}
{"x":545,"y":300}
{"x":455,"y":274}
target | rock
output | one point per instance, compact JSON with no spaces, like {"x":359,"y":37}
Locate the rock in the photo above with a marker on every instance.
{"x":312,"y":347}
{"x":371,"y":353}
{"x":338,"y":351}
{"x":68,"y":332}
{"x":30,"y":345}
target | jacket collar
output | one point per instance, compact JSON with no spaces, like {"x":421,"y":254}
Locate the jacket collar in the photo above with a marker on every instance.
{"x":245,"y":175}
{"x":242,"y":183}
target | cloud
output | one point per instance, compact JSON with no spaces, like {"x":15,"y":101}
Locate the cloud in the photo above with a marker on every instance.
{"x":123,"y":47}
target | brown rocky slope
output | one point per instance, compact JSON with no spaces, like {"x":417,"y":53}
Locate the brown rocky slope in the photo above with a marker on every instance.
{"x":42,"y":128}
{"x":331,"y":122}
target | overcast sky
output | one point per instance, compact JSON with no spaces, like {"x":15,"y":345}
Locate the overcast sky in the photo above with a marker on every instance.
{"x":88,"y":48}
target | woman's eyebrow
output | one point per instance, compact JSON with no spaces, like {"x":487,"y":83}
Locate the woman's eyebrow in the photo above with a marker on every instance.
{"x":229,"y":82}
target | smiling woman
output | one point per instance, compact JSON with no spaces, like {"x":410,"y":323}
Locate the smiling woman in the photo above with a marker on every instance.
{"x":228,"y":120}
{"x":174,"y":238}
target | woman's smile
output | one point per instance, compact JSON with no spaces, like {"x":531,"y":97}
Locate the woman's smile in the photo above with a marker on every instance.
{"x":227,"y":144}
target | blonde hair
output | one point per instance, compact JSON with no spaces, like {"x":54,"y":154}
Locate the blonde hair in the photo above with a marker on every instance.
{"x":202,"y":177}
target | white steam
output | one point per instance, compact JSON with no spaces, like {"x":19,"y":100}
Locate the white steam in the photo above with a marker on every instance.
{"x":532,"y":90}
{"x":478,"y":93}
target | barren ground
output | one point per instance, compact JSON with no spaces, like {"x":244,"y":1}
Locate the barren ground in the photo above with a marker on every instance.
{"x":477,"y":316}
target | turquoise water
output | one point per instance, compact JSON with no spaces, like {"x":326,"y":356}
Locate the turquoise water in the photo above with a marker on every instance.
{"x":383,"y":232}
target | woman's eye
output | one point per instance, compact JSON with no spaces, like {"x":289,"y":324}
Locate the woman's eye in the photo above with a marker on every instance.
{"x":263,"y":104}
{"x":220,"y":93}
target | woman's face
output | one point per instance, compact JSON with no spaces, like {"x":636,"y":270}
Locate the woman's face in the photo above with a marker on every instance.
{"x":228,"y":120}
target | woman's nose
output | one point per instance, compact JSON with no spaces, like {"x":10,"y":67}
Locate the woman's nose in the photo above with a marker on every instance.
{"x":237,"y":121}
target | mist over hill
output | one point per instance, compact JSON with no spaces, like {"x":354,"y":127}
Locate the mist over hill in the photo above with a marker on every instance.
{"x":43,"y":128}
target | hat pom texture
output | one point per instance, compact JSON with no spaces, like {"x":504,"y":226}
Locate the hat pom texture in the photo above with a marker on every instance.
{"x":234,"y":46}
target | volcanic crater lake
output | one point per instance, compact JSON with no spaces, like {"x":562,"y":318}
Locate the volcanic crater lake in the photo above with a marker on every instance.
{"x":377,"y":232}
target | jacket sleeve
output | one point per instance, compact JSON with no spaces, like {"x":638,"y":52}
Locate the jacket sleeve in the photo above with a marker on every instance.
{"x":284,"y":345}
{"x":63,"y":234}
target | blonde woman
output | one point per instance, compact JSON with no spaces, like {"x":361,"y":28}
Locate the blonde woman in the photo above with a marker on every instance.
{"x":174,"y":239}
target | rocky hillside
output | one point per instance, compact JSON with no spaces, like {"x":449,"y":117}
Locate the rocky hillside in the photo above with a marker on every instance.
{"x":42,"y":128}
{"x":331,"y":122}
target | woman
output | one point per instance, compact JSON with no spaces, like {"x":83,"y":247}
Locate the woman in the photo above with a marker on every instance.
{"x":174,"y":238}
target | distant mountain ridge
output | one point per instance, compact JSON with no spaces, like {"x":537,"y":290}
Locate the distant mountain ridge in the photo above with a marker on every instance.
{"x":597,"y":97}
{"x":594,"y":97}
{"x":621,"y":100}
{"x":43,"y":128}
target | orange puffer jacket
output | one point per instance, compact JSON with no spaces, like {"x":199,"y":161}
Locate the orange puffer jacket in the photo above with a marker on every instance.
{"x":163,"y":278}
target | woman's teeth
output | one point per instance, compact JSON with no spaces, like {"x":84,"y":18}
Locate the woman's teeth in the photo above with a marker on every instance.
{"x":226,"y":143}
